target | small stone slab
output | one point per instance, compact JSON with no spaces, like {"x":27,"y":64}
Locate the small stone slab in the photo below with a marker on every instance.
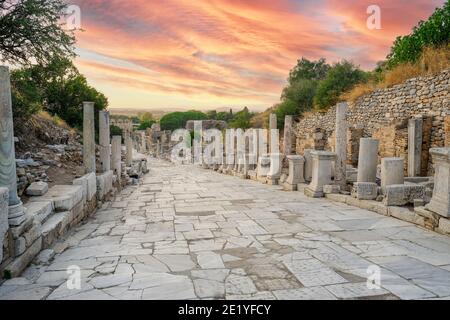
{"x":37,"y":189}
{"x":40,"y":210}
{"x":64,"y":197}
{"x":400,"y":195}
{"x":331,"y":189}
{"x":365,"y":191}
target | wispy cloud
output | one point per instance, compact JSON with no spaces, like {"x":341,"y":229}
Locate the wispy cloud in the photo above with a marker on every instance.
{"x":207,"y":54}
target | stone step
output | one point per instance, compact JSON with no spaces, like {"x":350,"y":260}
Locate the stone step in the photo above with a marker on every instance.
{"x":64,"y":197}
{"x":40,"y":210}
{"x":54,"y":227}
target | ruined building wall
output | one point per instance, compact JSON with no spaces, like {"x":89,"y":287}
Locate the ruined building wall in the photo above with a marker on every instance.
{"x":384,"y":114}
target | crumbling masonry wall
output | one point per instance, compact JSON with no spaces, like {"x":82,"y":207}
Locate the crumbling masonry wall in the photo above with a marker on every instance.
{"x":383,"y":114}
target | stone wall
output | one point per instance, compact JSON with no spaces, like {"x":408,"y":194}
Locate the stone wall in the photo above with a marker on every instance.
{"x":383,"y":114}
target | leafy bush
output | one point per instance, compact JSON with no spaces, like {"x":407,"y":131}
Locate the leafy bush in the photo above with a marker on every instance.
{"x":242,"y":119}
{"x":433,"y":32}
{"x":144,"y":125}
{"x":115,"y":131}
{"x":178,"y":120}
{"x":342,"y":77}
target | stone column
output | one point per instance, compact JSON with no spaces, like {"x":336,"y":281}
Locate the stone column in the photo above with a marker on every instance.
{"x":129,"y":146}
{"x":321,"y":174}
{"x":415,"y":140}
{"x":308,"y":164}
{"x":143,"y":142}
{"x":4,"y":226}
{"x":276,"y":161}
{"x":273,"y":125}
{"x":340,"y":175}
{"x":105,"y":141}
{"x":88,"y":137}
{"x":287,"y":140}
{"x":368,"y":160}
{"x":8,"y":179}
{"x":296,"y":169}
{"x":117,"y":155}
{"x":392,"y":172}
{"x":440,"y":202}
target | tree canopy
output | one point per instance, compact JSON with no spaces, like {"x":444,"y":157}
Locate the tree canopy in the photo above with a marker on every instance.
{"x":31,"y":32}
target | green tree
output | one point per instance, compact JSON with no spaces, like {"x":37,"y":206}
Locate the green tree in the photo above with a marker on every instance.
{"x":177,"y":120}
{"x":144,"y":125}
{"x":146,"y":116}
{"x":30,"y":31}
{"x":433,"y":32}
{"x":310,"y":70}
{"x":342,"y":77}
{"x":242,"y":119}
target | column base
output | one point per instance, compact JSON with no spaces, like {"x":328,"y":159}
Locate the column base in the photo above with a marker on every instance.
{"x":309,"y":192}
{"x":16,"y":215}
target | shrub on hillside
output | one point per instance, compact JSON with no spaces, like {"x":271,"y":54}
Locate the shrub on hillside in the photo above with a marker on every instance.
{"x":177,"y":120}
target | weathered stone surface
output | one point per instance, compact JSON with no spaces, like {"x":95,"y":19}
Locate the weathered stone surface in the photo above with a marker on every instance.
{"x":116,"y":156}
{"x":104,"y":184}
{"x":391,"y":172}
{"x":415,"y":139}
{"x":440,"y":202}
{"x":368,"y":160}
{"x":444,"y":226}
{"x":4,"y":226}
{"x":19,"y":264}
{"x":341,"y":145}
{"x":400,"y":195}
{"x":296,"y":171}
{"x":37,"y":189}
{"x":321,"y":175}
{"x":89,"y":184}
{"x":331,"y":189}
{"x":365,"y":190}
{"x":64,"y":197}
{"x":40,"y":210}
{"x":88,"y":137}
{"x":104,"y":141}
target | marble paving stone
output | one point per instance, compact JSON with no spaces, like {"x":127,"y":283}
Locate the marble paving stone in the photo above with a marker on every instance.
{"x":354,"y":290}
{"x":314,"y":293}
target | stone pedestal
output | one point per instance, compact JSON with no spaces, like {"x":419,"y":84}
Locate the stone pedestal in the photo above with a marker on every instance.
{"x":368,"y":160}
{"x":341,"y":146}
{"x":104,"y":139}
{"x":116,"y":156}
{"x":321,"y":173}
{"x":308,"y":164}
{"x":8,"y":177}
{"x":296,"y":169}
{"x":440,"y":202}
{"x":415,"y":140}
{"x":4,"y":225}
{"x":129,"y":146}
{"x":392,"y":172}
{"x":365,"y":190}
{"x":287,"y":140}
{"x":88,"y":137}
{"x":263,"y":167}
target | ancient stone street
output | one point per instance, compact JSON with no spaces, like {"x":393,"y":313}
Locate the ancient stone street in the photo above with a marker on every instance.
{"x":190,"y":233}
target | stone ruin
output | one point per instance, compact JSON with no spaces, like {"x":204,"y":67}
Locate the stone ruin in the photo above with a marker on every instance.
{"x":28,"y":228}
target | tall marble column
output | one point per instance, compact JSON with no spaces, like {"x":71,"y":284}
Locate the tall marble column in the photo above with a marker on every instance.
{"x":273,"y":137}
{"x":88,"y":137}
{"x":129,"y":146}
{"x":415,"y":140}
{"x":8,"y":179}
{"x":105,"y":141}
{"x":340,"y":175}
{"x":117,"y":155}
{"x":287,"y":140}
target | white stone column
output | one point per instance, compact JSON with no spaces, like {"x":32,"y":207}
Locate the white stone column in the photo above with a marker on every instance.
{"x":105,"y":141}
{"x":340,"y":175}
{"x":415,"y":140}
{"x":287,"y":140}
{"x":392,"y":172}
{"x":273,"y":177}
{"x":296,"y":170}
{"x":321,"y":174}
{"x":368,"y":160}
{"x":88,"y":137}
{"x":273,"y":138}
{"x":129,"y":146}
{"x":117,"y":155}
{"x":143,"y":143}
{"x":8,"y":178}
{"x":440,"y":202}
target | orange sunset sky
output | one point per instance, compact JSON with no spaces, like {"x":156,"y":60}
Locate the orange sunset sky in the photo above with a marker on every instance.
{"x":226,"y":53}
